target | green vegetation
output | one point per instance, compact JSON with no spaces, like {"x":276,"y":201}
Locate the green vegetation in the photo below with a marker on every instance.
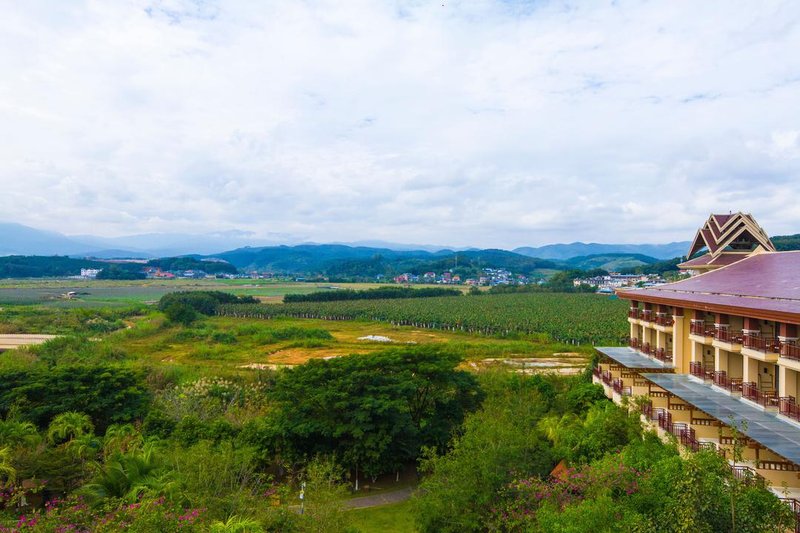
{"x":380,"y":293}
{"x":580,"y":318}
{"x":141,"y":421}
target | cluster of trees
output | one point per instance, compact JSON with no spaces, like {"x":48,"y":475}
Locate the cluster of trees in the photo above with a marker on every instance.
{"x":34,"y":266}
{"x":496,"y":476}
{"x":379,"y":293}
{"x":184,"y":307}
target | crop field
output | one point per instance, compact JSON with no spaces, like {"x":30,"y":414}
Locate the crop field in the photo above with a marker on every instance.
{"x":97,"y":294}
{"x":571,"y":318}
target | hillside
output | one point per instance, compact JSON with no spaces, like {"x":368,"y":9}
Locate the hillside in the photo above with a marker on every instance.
{"x":339,"y":261}
{"x":611,"y":262}
{"x":579,"y":249}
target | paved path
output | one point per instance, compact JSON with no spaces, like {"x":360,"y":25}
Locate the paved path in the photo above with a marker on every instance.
{"x":395,"y":496}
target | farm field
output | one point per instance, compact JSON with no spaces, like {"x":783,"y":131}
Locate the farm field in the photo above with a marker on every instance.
{"x":570,"y":318}
{"x":97,"y":293}
{"x":242,"y":346}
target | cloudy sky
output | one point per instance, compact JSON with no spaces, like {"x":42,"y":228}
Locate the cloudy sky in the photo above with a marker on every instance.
{"x":469,"y":123}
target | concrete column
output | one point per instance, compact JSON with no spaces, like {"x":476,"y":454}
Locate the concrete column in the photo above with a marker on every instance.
{"x":787,"y":382}
{"x":680,"y":342}
{"x":720,"y":360}
{"x":750,"y":368}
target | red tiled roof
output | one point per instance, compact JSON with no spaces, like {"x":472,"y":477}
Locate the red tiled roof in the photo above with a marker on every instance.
{"x":762,"y":285}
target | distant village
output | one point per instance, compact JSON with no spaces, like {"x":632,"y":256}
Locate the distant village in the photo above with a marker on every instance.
{"x":490,"y":277}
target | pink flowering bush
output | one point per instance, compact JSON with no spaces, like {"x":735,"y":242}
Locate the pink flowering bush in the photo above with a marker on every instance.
{"x":74,"y":516}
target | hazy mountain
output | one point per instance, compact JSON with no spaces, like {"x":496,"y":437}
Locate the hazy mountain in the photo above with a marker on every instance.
{"x":172,"y":244}
{"x":577,"y":249}
{"x":16,"y":239}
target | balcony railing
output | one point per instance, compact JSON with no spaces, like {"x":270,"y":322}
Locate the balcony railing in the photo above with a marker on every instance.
{"x":646,"y":315}
{"x":663,"y":319}
{"x":698,"y":327}
{"x":606,"y":378}
{"x":761,"y":344}
{"x":788,"y":407}
{"x":646,"y":348}
{"x":790,"y":350}
{"x":746,"y":475}
{"x":647,"y":410}
{"x":696,"y":369}
{"x":634,"y":343}
{"x":727,"y":335}
{"x":663,"y":355}
{"x":751,"y":391}
{"x":794,"y":505}
{"x":619,"y":387}
{"x":633,"y":313}
{"x":721,"y":379}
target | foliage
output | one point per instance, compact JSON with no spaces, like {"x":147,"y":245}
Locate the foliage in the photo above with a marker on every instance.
{"x":106,"y":393}
{"x":586,"y":318}
{"x":112,"y":271}
{"x":497,"y":441}
{"x":203,"y":302}
{"x":380,"y":293}
{"x":373,"y":412}
{"x":191,"y":263}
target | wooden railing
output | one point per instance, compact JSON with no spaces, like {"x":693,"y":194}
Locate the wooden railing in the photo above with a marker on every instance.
{"x":619,"y":387}
{"x":788,"y":407}
{"x":727,"y":335}
{"x":634,"y":343}
{"x":751,"y":392}
{"x":633,"y":313}
{"x":663,"y":319}
{"x":646,"y":348}
{"x":647,"y":410}
{"x":721,"y":379}
{"x":761,"y":344}
{"x":747,"y":475}
{"x":696,"y":369}
{"x":606,"y":378}
{"x":698,"y":327}
{"x":663,"y":355}
{"x":790,"y":350}
{"x":780,"y":466}
{"x":646,"y":315}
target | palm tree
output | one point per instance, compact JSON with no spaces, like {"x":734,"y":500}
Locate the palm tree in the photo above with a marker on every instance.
{"x":236,"y":524}
{"x":7,"y":470}
{"x":14,"y":433}
{"x":120,"y":439}
{"x":128,"y":476}
{"x":68,"y":426}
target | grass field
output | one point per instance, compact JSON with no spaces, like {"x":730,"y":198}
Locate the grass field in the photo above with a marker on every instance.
{"x":393,"y":518}
{"x":244,"y":345}
{"x":97,"y":293}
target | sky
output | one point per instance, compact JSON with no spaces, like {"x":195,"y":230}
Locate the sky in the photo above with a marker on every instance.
{"x":463,"y":123}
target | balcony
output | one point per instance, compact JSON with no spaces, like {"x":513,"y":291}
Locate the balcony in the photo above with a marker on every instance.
{"x":751,"y":392}
{"x":663,"y":355}
{"x":606,"y":378}
{"x":646,"y":348}
{"x":633,"y":313}
{"x":761,"y":344}
{"x":721,"y":380}
{"x":790,"y":350}
{"x":663,"y":319}
{"x":619,"y":387}
{"x":647,"y":410}
{"x":788,"y":407}
{"x":727,"y":335}
{"x":634,"y":343}
{"x":696,"y":369}
{"x":700,"y":328}
{"x":646,"y":315}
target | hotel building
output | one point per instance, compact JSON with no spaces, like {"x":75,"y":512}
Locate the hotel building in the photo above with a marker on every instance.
{"x":715,"y":357}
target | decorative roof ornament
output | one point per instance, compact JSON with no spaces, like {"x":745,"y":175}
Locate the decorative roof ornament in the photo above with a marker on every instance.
{"x":728,"y":238}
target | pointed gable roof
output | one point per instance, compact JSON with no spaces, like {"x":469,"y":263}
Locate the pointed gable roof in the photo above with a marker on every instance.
{"x":732,"y":232}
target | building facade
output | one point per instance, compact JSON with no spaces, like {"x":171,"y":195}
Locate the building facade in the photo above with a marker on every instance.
{"x":715,"y":359}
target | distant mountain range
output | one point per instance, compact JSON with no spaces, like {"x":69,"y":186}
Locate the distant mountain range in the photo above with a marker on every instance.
{"x":366,"y":258}
{"x":577,"y":249}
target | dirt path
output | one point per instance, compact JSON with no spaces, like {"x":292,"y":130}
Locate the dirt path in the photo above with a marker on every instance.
{"x":395,"y":496}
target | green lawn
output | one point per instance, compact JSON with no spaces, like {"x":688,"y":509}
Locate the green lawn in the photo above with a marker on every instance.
{"x":394,"y":518}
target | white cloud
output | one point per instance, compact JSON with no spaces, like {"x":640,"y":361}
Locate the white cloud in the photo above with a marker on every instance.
{"x":483,"y":123}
